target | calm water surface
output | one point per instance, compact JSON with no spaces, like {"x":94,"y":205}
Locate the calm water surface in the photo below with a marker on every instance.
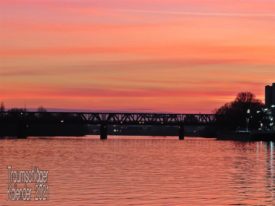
{"x":145,"y":171}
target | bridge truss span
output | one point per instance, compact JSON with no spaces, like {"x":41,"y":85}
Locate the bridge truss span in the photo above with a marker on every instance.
{"x":148,"y":118}
{"x":23,"y":119}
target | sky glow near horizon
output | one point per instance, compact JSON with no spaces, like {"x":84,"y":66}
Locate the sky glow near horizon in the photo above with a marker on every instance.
{"x":134,"y":55}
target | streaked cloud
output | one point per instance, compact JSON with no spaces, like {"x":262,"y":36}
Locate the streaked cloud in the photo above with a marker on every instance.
{"x":201,"y":14}
{"x":135,"y":55}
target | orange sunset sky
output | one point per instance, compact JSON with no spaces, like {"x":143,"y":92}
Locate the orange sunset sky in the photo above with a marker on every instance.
{"x":134,"y":55}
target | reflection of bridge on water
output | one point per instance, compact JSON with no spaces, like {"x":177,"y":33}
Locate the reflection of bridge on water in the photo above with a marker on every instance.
{"x":105,"y":119}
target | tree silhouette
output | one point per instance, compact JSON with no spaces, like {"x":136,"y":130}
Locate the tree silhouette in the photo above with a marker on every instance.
{"x":41,"y":109}
{"x":245,"y":108}
{"x":2,"y":107}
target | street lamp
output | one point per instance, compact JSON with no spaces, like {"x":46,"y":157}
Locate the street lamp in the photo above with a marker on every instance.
{"x":247,"y":119}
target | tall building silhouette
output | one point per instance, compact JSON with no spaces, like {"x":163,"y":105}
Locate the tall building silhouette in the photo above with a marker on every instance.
{"x":270,"y":95}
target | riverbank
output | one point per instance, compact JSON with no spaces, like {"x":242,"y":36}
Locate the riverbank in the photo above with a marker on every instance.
{"x":247,"y":135}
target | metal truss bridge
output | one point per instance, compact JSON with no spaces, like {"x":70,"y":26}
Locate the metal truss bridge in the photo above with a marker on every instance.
{"x":105,"y":119}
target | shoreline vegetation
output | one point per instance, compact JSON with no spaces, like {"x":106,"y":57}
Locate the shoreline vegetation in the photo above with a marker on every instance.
{"x":246,"y":119}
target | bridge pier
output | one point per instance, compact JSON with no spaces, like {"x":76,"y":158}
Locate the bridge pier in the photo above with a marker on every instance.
{"x":103,"y":131}
{"x":181,"y":132}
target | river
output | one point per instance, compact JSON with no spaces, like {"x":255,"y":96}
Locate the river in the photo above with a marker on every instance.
{"x":143,"y":171}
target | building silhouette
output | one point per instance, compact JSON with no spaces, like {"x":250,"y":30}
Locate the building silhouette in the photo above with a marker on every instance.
{"x":270,"y":95}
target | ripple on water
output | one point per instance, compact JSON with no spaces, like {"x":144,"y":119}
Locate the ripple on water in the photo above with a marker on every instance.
{"x":140,"y":171}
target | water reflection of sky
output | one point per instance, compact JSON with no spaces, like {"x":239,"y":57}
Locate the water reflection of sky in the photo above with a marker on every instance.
{"x":140,"y":171}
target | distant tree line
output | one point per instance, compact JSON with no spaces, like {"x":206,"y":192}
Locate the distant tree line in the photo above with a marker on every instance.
{"x":245,"y":111}
{"x":3,"y":109}
{"x":16,"y":122}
